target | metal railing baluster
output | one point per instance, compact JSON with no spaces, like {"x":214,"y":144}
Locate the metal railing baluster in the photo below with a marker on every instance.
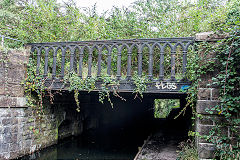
{"x":150,"y":66}
{"x":80,"y":63}
{"x":173,"y":54}
{"x":161,"y":71}
{"x":139,"y":63}
{"x":38,"y":60}
{"x":184,"y":63}
{"x":71,"y":59}
{"x":54,"y":63}
{"x":129,"y":60}
{"x":90,"y":63}
{"x":46,"y":62}
{"x":119,"y":54}
{"x":63,"y":63}
{"x":109,"y":63}
{"x":99,"y":63}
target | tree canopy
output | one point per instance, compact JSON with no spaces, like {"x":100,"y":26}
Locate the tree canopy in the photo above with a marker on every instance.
{"x":49,"y":21}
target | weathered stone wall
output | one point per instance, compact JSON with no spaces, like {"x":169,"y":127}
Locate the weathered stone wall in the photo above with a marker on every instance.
{"x":21,"y":132}
{"x":207,"y":98}
{"x":12,"y":73}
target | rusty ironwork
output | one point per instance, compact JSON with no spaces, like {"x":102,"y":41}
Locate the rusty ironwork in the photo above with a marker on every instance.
{"x":94,"y":50}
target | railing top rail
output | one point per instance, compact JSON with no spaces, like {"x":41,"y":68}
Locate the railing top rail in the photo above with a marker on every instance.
{"x":118,"y":41}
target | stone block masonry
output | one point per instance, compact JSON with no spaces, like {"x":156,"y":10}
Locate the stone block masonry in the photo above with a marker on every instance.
{"x":20,"y":131}
{"x":18,"y":125}
{"x":20,"y":134}
{"x":207,"y":98}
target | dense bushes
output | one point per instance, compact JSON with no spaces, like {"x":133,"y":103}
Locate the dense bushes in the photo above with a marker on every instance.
{"x":46,"y":20}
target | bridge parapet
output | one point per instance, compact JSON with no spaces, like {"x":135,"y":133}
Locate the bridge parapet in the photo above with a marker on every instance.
{"x":163,"y":61}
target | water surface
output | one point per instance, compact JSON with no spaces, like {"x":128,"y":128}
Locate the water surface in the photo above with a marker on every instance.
{"x":96,"y":146}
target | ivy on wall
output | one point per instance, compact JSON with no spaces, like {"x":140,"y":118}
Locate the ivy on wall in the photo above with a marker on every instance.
{"x":228,"y":82}
{"x":220,"y":60}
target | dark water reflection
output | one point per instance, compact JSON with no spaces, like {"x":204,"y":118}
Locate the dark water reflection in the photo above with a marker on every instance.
{"x":94,"y":146}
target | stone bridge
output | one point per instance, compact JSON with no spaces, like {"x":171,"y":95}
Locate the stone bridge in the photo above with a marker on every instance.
{"x":162,"y":61}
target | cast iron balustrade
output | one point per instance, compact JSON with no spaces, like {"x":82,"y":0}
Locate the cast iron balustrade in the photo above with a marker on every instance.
{"x":93,"y":50}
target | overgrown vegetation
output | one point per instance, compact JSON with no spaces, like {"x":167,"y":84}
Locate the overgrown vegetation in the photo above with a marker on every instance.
{"x":228,"y":82}
{"x":224,"y":68}
{"x":225,"y":71}
{"x":187,"y":151}
{"x":162,"y":107}
{"x":49,"y":21}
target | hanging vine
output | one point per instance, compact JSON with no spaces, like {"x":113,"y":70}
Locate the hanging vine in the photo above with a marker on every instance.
{"x":140,"y":83}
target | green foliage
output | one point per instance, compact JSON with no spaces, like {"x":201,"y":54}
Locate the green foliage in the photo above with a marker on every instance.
{"x":34,"y":89}
{"x":227,"y":80}
{"x":233,"y":16}
{"x":140,"y":83}
{"x":8,"y":15}
{"x":187,"y":151}
{"x":170,"y":18}
{"x":88,"y":84}
{"x":105,"y":92}
{"x":48,"y":21}
{"x":77,"y":83}
{"x":76,"y":94}
{"x":162,"y":107}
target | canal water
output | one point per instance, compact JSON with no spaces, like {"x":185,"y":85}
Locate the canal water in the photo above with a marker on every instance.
{"x":117,"y":145}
